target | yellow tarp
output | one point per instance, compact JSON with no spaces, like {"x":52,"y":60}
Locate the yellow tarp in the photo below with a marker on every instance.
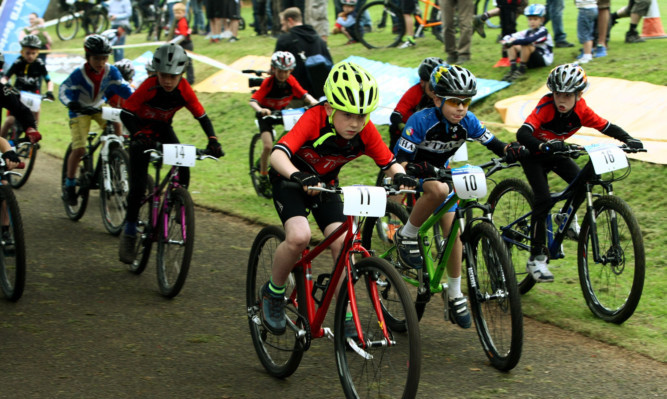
{"x":638,"y":107}
{"x":230,"y":78}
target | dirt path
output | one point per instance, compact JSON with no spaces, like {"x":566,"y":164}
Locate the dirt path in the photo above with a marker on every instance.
{"x":87,"y":328}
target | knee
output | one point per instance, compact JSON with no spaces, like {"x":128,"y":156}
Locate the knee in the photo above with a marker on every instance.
{"x":298,"y":241}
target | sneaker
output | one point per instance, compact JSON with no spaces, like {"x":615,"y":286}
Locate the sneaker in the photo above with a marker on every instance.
{"x":584,"y":59}
{"x":8,"y":244}
{"x":407,"y":44}
{"x":233,"y":39}
{"x":273,"y":310}
{"x":126,"y":249}
{"x":537,"y":267}
{"x":265,"y":186}
{"x":408,"y":250}
{"x":600,"y":51}
{"x":516,"y":75}
{"x":462,"y":60}
{"x":226,"y":35}
{"x":573,"y":230}
{"x":350,"y":329}
{"x":564,"y":44}
{"x":478,"y":26}
{"x":70,"y":195}
{"x":451,"y":59}
{"x":633,"y":37}
{"x":458,"y":311}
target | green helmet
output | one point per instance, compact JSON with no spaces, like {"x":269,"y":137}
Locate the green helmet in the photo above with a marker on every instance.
{"x":351,"y":88}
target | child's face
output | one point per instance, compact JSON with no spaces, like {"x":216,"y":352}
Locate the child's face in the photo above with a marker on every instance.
{"x":565,"y":101}
{"x":281,"y":75}
{"x":32,"y":19}
{"x":347,"y":8}
{"x":178,"y":14}
{"x":29,"y":54}
{"x":168,"y":81}
{"x":97,"y":62}
{"x":346,"y":124}
{"x":454,"y":109}
{"x":535,"y":22}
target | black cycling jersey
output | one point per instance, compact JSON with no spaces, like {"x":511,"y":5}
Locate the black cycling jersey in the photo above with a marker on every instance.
{"x":11,"y":100}
{"x":28,"y":76}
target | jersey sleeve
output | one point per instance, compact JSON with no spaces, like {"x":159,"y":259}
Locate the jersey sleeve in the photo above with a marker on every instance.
{"x":139,"y":97}
{"x":263,"y":90}
{"x":376,"y":148}
{"x":476,"y":129}
{"x":192,"y":102}
{"x":589,"y":118}
{"x":306,"y":129}
{"x":409,"y":101}
{"x":297,"y":90}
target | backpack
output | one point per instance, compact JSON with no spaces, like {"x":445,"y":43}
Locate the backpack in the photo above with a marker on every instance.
{"x":317,"y":70}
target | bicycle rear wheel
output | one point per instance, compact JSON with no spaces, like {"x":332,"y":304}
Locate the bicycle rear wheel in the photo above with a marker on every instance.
{"x":279,"y":354}
{"x":510,"y":200}
{"x":494,"y":297}
{"x":113,"y":195}
{"x":137,"y":19}
{"x":97,"y":21}
{"x":67,"y":26}
{"x":27,"y":152}
{"x":612,"y":288}
{"x":174,"y":246}
{"x":144,"y":231}
{"x":12,"y":253}
{"x":388,"y":26}
{"x":256,"y":148}
{"x":84,"y":172}
{"x":374,"y":369}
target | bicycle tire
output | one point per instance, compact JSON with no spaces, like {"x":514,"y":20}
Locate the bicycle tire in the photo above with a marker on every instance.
{"x":27,"y":152}
{"x":113,"y":203}
{"x":612,"y":291}
{"x":510,"y":199}
{"x":256,"y":148}
{"x":12,"y":263}
{"x":67,"y":26}
{"x":137,"y":19}
{"x":144,"y":231}
{"x":381,"y":35}
{"x":85,"y":168}
{"x":494,"y":297}
{"x":98,"y":19}
{"x":279,"y":354}
{"x":174,"y":251}
{"x":389,"y":371}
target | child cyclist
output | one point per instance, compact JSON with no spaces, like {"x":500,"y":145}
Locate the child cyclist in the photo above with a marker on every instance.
{"x":126,"y":70}
{"x":275,"y":94}
{"x":29,"y":71}
{"x":430,"y":137}
{"x":325,"y":138}
{"x":83,"y":92}
{"x":557,"y":116}
{"x":148,"y":115}
{"x":415,"y":99}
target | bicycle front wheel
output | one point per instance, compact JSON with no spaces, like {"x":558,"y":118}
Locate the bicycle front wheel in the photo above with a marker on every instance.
{"x":510,"y":200}
{"x":387,"y":26}
{"x":67,"y":26}
{"x":27,"y":152}
{"x":97,"y":20}
{"x":494,"y":297}
{"x":612,"y":288}
{"x":12,"y":253}
{"x":137,"y":19}
{"x":376,"y":368}
{"x":279,"y":354}
{"x":113,"y":190}
{"x":85,"y":170}
{"x":144,"y":231}
{"x":176,"y":239}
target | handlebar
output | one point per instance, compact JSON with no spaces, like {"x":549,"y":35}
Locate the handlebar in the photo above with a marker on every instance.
{"x":576,"y":150}
{"x":202,"y":153}
{"x":391,"y":190}
{"x":494,"y":165}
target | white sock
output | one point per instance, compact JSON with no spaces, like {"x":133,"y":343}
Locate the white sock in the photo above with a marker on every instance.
{"x":409,"y":230}
{"x":454,"y":287}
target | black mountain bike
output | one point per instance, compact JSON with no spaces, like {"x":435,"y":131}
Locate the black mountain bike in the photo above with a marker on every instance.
{"x":12,"y":243}
{"x":93,"y":19}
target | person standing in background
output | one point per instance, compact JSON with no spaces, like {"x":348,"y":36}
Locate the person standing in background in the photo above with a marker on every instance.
{"x":555,"y":15}
{"x":316,"y":16}
{"x":465,"y":9}
{"x":120,"y":12}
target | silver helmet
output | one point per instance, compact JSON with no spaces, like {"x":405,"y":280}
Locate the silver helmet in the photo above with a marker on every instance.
{"x":170,"y":58}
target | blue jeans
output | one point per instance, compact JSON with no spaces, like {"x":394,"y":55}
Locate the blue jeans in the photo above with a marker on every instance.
{"x":586,"y":20}
{"x":119,"y":53}
{"x":199,"y":23}
{"x":555,"y":14}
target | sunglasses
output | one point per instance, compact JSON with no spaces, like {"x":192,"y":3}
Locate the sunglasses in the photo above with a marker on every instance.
{"x":455,"y":101}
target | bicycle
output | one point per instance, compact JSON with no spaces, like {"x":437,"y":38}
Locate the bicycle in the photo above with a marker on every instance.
{"x":380,"y":361}
{"x":167,"y":217}
{"x":12,"y":243}
{"x":93,"y":18}
{"x":610,"y":253}
{"x":494,"y":296}
{"x":110,"y":175}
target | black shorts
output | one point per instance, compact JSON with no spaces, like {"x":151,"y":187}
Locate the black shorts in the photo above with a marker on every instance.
{"x":265,"y":125}
{"x":326,"y":208}
{"x":408,"y":6}
{"x":231,"y":9}
{"x":213,"y":9}
{"x":536,"y":59}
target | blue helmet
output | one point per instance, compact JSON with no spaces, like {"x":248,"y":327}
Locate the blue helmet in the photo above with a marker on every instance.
{"x":535,"y":10}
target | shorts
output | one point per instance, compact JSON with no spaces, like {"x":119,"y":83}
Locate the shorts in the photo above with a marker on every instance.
{"x":450,"y":186}
{"x":641,"y":7}
{"x":231,"y":9}
{"x":321,"y":27}
{"x":536,"y":59}
{"x":80,"y":127}
{"x":408,"y":6}
{"x":604,"y":4}
{"x":213,"y":9}
{"x":265,"y":125}
{"x":586,"y":20}
{"x":326,"y":208}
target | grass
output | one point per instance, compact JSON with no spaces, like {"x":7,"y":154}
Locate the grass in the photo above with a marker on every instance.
{"x":225,"y":185}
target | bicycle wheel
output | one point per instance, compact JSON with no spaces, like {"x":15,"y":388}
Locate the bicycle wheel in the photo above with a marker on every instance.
{"x":97,"y":21}
{"x":67,"y":26}
{"x":144,"y":231}
{"x":137,"y":19}
{"x":374,"y":369}
{"x":494,"y":297}
{"x":256,"y":148}
{"x":113,"y":190}
{"x":387,"y":28}
{"x":279,"y":354}
{"x":174,"y":246}
{"x":612,"y":288}
{"x":510,"y":200}
{"x":12,"y":253}
{"x":84,"y":173}
{"x":27,"y":152}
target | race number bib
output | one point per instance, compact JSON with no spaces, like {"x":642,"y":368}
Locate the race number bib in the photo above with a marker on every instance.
{"x":111,"y":114}
{"x":179,"y":155}
{"x":31,"y":100}
{"x":291,"y":116}
{"x":606,"y":157}
{"x":469,"y":182}
{"x":364,"y":201}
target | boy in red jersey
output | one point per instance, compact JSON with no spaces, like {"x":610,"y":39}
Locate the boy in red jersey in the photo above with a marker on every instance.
{"x":147,"y":115}
{"x":181,"y":28}
{"x":556,"y":117}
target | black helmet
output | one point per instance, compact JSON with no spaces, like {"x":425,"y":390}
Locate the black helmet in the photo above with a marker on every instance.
{"x":453,"y":80}
{"x":97,"y":45}
{"x":126,"y":68}
{"x":567,"y":78}
{"x":31,"y":41}
{"x":426,"y":67}
{"x":170,"y":58}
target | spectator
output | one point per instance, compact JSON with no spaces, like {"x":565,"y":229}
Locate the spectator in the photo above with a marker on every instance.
{"x":586,"y":19}
{"x":457,"y":53}
{"x":555,"y":15}
{"x":346,"y":21}
{"x":508,"y":11}
{"x":181,"y":29}
{"x":170,"y":9}
{"x":409,"y":7}
{"x":316,"y":16}
{"x":231,"y":15}
{"x":120,"y":12}
{"x":214,"y":15}
{"x":636,"y":9}
{"x":198,"y":25}
{"x":37,"y":28}
{"x":602,"y":27}
{"x":259,"y":16}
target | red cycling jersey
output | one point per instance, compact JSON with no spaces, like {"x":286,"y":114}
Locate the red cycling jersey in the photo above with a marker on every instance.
{"x":411,"y":102}
{"x":150,"y":102}
{"x":276,"y":96}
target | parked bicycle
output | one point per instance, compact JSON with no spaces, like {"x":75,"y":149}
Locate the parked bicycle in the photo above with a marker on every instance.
{"x":109,"y":175}
{"x":492,"y":289}
{"x":610,"y":253}
{"x":12,"y":243}
{"x":167,"y":217}
{"x":382,"y":361}
{"x":92,"y":17}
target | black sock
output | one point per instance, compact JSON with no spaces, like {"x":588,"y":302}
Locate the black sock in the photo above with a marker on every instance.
{"x":523,"y":67}
{"x":512,"y":65}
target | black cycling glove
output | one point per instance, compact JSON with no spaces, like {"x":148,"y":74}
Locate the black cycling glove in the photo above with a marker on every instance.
{"x":514,"y":151}
{"x":10,"y":156}
{"x":552,"y":146}
{"x":401,"y":179}
{"x":305,"y":179}
{"x":634,"y":143}
{"x":214,"y":148}
{"x":74,"y":106}
{"x":420,"y":169}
